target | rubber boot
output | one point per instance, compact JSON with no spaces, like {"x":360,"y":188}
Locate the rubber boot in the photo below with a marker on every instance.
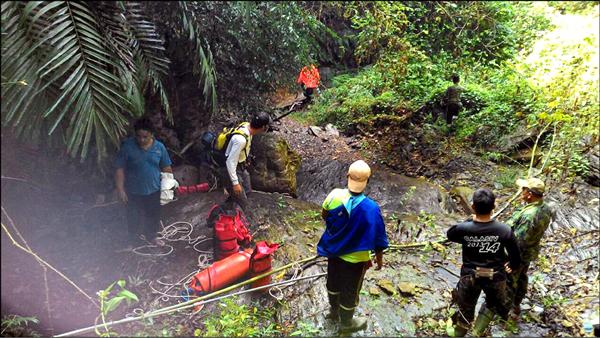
{"x":334,"y":310}
{"x":484,"y":318}
{"x":349,"y":324}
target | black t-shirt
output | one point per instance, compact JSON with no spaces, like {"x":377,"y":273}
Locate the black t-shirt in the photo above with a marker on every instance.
{"x":486,"y":244}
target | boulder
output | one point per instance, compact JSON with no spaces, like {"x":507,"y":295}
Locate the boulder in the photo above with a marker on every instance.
{"x":318,"y":132}
{"x":407,"y":289}
{"x":463,"y":197}
{"x":520,"y":138}
{"x":387,"y":286}
{"x":186,"y":174}
{"x":275,"y":165}
{"x":393,"y":192}
{"x":332,"y":130}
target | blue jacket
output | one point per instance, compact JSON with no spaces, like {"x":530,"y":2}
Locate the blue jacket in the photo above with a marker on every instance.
{"x":362,"y":230}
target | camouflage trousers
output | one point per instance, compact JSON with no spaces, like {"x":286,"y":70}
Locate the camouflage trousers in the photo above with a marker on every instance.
{"x":517,"y":284}
{"x":467,"y":291}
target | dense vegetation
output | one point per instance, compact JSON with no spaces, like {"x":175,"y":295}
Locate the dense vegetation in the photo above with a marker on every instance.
{"x":80,"y":72}
{"x":512,"y":76}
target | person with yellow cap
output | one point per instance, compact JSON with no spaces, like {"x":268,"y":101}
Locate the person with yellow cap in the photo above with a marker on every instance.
{"x":354,"y":227}
{"x":529,"y":224}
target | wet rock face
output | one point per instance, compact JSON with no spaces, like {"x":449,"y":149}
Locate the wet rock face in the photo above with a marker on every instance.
{"x":186,"y":174}
{"x":520,"y":138}
{"x":579,"y":209}
{"x":275,"y":165}
{"x":593,"y":175}
{"x":463,"y":196}
{"x":393,"y":192}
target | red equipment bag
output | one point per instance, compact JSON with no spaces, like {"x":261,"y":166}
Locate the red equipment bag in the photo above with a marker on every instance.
{"x":230,"y":231}
{"x":261,"y":261}
{"x":222,"y":273}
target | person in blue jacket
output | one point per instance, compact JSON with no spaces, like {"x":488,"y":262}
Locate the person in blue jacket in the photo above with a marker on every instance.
{"x":354,"y":228}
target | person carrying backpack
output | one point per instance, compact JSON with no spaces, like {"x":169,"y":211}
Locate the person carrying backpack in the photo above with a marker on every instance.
{"x":233,"y":148}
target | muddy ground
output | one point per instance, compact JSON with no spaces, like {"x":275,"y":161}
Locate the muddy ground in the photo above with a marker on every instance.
{"x":80,"y":231}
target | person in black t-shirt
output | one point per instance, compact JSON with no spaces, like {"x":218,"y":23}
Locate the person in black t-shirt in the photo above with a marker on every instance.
{"x":485,"y":244}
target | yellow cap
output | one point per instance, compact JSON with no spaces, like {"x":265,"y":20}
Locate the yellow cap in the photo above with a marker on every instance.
{"x":358,"y":175}
{"x":534,"y":184}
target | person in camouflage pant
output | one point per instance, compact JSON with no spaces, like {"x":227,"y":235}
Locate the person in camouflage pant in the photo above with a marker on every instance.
{"x":529,"y":224}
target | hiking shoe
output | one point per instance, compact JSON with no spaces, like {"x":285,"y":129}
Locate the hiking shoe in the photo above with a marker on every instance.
{"x":356,"y":324}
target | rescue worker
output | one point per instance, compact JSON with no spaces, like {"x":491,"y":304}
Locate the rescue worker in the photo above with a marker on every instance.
{"x":234,"y":176}
{"x":139,"y":163}
{"x":354,"y":227}
{"x":485,"y":265}
{"x":309,"y":79}
{"x":452,"y":99}
{"x":529,"y":224}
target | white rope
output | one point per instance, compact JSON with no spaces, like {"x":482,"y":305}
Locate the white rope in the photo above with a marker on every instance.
{"x":213,"y":187}
{"x":137,"y":250}
{"x":178,"y":231}
{"x":297,"y":273}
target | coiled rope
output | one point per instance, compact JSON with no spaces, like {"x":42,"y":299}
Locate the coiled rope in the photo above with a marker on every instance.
{"x":178,"y":231}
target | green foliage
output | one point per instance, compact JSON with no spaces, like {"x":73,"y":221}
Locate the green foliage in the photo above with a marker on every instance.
{"x":508,"y":176}
{"x":15,"y":325}
{"x":416,"y":74}
{"x":407,"y":196}
{"x":426,"y":219}
{"x":305,"y":329}
{"x":578,"y":164}
{"x":473,"y":32}
{"x":109,"y":303}
{"x":81,"y":64}
{"x":239,"y":320}
{"x":255,"y":47}
{"x":380,"y":26}
{"x":565,"y":66}
{"x":355,"y":97}
{"x":80,"y":71}
{"x":281,"y":202}
{"x":574,"y":6}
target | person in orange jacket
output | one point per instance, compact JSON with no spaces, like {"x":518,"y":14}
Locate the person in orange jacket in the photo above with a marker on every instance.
{"x":309,"y":79}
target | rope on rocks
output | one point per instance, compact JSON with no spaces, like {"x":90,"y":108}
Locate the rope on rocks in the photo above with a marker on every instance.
{"x":178,"y":231}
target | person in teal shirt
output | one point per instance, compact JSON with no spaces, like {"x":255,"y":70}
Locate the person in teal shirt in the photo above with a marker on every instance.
{"x":354,"y":228}
{"x":138,"y":165}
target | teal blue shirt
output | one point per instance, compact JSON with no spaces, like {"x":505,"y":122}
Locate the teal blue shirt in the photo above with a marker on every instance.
{"x":142,"y":167}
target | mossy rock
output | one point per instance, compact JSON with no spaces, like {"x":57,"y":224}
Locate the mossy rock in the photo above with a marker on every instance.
{"x":275,"y":165}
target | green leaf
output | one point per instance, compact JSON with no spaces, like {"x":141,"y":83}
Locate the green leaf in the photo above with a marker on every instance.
{"x":129,"y":295}
{"x":112,"y":304}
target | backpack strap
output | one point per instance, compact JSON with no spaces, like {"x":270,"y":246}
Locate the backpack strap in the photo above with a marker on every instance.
{"x":238,"y":131}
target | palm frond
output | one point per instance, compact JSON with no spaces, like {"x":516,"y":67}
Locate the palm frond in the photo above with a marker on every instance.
{"x":57,"y":47}
{"x":113,"y":25}
{"x":204,"y":67}
{"x":70,"y":69}
{"x":149,"y":47}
